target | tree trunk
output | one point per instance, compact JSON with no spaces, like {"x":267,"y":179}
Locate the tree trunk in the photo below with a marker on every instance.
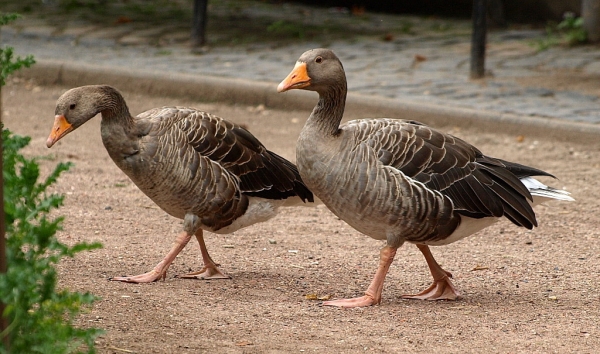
{"x":590,"y":11}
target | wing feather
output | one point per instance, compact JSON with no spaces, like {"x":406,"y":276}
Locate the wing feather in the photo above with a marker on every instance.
{"x":478,"y":185}
{"x":260,"y":172}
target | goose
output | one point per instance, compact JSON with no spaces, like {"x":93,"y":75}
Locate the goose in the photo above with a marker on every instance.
{"x":402,"y":181}
{"x":213,"y":174}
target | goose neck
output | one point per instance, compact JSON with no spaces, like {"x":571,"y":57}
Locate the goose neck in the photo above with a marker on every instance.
{"x":328,"y":113}
{"x":113,"y":108}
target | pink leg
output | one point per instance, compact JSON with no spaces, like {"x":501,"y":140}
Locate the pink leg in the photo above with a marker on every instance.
{"x":442,"y":288}
{"x":373,"y":294}
{"x":210,"y":269}
{"x":160,"y":271}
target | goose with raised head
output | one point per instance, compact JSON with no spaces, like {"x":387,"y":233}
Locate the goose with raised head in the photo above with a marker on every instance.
{"x":213,"y":174}
{"x":402,"y":181}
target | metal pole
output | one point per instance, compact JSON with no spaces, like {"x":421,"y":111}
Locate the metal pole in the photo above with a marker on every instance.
{"x":199,"y":25}
{"x":478,"y":39}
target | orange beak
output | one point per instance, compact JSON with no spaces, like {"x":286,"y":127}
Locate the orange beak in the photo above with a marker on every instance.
{"x":61,"y":128}
{"x":297,"y":79}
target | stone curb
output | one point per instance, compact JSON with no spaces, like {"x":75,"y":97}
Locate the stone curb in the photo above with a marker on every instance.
{"x":245,"y":92}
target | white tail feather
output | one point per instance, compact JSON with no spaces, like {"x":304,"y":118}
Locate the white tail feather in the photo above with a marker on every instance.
{"x":538,"y":189}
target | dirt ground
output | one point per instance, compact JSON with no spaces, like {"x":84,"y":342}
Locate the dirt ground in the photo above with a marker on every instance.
{"x":523,"y":291}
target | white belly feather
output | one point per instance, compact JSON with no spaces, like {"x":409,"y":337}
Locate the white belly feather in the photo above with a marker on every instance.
{"x":259,"y":210}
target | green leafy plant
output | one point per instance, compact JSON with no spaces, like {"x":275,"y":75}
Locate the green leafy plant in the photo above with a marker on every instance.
{"x":572,"y":29}
{"x":8,"y":63}
{"x":40,"y":317}
{"x":569,"y":31}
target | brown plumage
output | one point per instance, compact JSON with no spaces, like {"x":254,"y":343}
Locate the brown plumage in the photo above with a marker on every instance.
{"x":198,"y":167}
{"x":402,"y":181}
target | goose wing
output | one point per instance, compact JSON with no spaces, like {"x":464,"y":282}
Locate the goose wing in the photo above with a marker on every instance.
{"x":478,"y":185}
{"x":260,"y":172}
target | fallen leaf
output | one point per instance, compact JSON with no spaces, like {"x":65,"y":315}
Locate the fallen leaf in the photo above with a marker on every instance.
{"x":121,"y":350}
{"x":478,"y":267}
{"x":123,"y":19}
{"x":311,"y":297}
{"x":317,"y":297}
{"x":243,"y":343}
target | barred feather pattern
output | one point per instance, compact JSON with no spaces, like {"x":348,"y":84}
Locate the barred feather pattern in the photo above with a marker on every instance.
{"x":188,"y":161}
{"x":400,"y":180}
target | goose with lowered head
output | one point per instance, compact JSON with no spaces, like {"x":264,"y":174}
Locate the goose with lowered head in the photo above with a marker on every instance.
{"x":213,"y":174}
{"x":402,"y":181}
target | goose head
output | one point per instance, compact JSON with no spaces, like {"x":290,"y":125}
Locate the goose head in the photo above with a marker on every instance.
{"x":77,"y":106}
{"x":317,"y":70}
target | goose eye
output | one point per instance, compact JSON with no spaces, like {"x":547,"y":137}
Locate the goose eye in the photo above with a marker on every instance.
{"x":72,"y":106}
{"x":318,"y":60}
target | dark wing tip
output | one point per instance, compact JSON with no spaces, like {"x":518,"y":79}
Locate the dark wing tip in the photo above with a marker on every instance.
{"x":524,"y":171}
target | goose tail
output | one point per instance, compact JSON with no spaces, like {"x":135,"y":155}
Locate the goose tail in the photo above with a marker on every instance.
{"x":538,"y":189}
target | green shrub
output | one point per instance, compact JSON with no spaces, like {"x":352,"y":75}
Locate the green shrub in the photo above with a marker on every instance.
{"x":40,"y":316}
{"x":8,"y":64}
{"x":572,"y":29}
{"x":568,"y":32}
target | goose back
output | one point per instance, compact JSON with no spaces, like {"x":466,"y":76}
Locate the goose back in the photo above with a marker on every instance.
{"x":172,"y":153}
